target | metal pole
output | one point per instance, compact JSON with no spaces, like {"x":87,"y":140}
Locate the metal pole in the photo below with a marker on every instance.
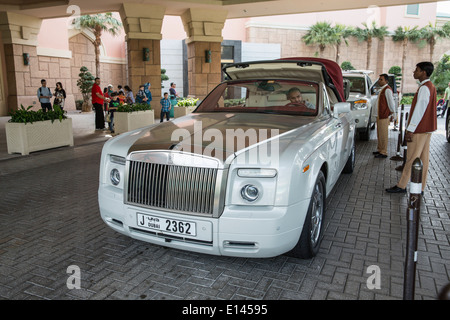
{"x":398,"y":157}
{"x":405,"y":150}
{"x":413,"y":218}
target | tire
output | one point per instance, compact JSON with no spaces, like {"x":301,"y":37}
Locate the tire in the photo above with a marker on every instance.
{"x":447,"y":126}
{"x":350,"y":165}
{"x":365,"y":135}
{"x":311,"y":236}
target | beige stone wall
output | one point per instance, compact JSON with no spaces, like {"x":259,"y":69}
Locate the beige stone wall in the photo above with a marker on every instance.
{"x":202,"y":76}
{"x":384,"y":54}
{"x":27,"y":79}
{"x":140,"y":71}
{"x":83,"y":54}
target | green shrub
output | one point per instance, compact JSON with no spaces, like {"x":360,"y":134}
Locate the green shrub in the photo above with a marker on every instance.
{"x":441,"y":74}
{"x":23,"y":115}
{"x":347,"y":65}
{"x":187,"y":102}
{"x":134,"y":107}
{"x":407,"y":99}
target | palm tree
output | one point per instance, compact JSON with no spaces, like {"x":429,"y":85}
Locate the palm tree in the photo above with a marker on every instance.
{"x":99,"y":23}
{"x":431,"y":34}
{"x":368,"y":34}
{"x":405,"y":35}
{"x":320,"y":34}
{"x":341,"y":33}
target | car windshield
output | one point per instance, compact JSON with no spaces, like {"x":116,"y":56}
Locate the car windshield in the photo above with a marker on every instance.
{"x":357,"y":84}
{"x":263,"y":96}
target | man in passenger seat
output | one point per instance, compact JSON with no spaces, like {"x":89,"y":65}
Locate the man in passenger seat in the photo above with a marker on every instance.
{"x":295,"y":96}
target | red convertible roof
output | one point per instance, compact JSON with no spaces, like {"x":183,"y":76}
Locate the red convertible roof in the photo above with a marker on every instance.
{"x":333,"y":70}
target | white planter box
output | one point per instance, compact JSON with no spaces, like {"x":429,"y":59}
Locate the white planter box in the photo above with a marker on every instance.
{"x":127,"y":121}
{"x":40,"y":135}
{"x":183,"y":111}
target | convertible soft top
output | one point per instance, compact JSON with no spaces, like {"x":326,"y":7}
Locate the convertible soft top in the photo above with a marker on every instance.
{"x":333,"y":69}
{"x":304,"y":68}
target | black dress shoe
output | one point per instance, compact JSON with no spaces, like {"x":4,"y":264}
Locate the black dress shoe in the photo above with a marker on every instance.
{"x":396,"y":189}
{"x":376,"y":152}
{"x":382,"y":156}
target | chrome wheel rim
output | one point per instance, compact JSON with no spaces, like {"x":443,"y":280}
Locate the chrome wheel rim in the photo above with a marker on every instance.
{"x":316,"y":214}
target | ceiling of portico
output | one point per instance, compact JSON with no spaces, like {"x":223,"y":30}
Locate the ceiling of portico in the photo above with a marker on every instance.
{"x":235,"y":8}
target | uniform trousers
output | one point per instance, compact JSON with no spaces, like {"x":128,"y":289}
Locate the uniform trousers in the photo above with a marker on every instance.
{"x":419,"y":147}
{"x":382,"y":135}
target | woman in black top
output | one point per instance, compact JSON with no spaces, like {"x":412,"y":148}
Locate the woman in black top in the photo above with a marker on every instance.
{"x":60,"y":95}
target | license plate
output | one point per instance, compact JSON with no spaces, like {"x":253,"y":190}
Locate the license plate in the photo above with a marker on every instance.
{"x":166,"y":225}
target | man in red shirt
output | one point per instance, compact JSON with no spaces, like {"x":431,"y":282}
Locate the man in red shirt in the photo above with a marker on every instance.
{"x":421,"y":123}
{"x":97,"y":100}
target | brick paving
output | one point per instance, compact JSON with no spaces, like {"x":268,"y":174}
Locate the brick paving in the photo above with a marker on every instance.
{"x":49,"y":220}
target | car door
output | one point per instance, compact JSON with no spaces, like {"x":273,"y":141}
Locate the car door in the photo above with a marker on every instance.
{"x":335,"y":143}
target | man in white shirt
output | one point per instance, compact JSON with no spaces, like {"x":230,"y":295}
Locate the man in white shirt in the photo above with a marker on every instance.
{"x":384,"y":111}
{"x":421,"y":123}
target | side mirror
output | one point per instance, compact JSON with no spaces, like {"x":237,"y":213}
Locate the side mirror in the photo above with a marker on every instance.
{"x":341,"y":107}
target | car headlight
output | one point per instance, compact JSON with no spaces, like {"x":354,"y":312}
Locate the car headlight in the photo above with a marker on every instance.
{"x":115,"y":176}
{"x":360,"y":104}
{"x":250,"y":193}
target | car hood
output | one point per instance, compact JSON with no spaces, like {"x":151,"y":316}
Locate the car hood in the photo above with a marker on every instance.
{"x":219,"y":135}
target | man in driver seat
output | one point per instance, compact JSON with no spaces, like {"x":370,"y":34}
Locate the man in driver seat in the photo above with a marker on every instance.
{"x":295,"y":96}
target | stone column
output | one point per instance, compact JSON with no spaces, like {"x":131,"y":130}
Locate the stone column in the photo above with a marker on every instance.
{"x":142,"y":24}
{"x":19,"y":35}
{"x":204,"y":30}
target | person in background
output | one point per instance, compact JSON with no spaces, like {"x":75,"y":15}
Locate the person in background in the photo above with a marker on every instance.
{"x":60,"y":95}
{"x":140,"y":96}
{"x":165,"y":107}
{"x":129,"y":97}
{"x":120,"y":89}
{"x":110,"y":90}
{"x":121,"y":96}
{"x":113,"y":105}
{"x":106,"y":103}
{"x":44,"y":95}
{"x":421,"y":123}
{"x":384,"y":112}
{"x":97,"y":100}
{"x":148,"y":94}
{"x":172,"y":91}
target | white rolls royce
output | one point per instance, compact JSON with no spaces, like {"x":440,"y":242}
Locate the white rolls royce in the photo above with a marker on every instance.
{"x":246,"y":174}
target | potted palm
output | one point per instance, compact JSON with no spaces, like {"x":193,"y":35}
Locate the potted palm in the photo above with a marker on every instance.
{"x":28,"y":131}
{"x":133,"y":116}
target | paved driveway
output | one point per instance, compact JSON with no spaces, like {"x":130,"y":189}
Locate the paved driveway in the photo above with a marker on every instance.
{"x":49,"y":222}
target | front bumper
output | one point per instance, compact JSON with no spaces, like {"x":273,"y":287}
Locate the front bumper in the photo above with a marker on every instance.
{"x":241,"y":231}
{"x":361,"y":118}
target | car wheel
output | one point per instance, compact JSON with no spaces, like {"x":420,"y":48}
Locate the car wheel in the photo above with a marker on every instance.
{"x":350,"y":165}
{"x":311,"y":236}
{"x":447,"y":126}
{"x":365,"y":135}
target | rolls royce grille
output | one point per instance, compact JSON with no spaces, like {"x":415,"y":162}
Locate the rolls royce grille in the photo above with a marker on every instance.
{"x":171,"y":187}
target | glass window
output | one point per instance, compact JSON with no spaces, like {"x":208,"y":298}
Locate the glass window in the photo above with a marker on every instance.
{"x":227,"y":53}
{"x":263,"y":96}
{"x":412,"y":10}
{"x":357,"y":85}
